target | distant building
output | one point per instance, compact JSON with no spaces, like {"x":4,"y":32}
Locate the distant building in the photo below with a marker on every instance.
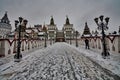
{"x":60,"y":37}
{"x":38,"y":27}
{"x":52,"y":32}
{"x":52,"y":29}
{"x":5,"y":26}
{"x":32,"y":32}
{"x":68,"y":29}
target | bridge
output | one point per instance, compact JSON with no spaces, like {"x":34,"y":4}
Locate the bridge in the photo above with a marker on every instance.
{"x":60,"y":61}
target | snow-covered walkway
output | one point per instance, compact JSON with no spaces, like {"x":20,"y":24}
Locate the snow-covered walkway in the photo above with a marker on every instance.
{"x":10,"y":58}
{"x":111,"y":63}
{"x":57,"y":62}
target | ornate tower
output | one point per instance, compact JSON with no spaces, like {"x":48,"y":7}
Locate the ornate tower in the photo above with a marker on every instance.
{"x":5,"y":19}
{"x":5,"y":26}
{"x":86,"y":30}
{"x":52,"y":29}
{"x":44,"y":28}
{"x":67,"y":21}
{"x":52,"y":21}
{"x":68,"y":29}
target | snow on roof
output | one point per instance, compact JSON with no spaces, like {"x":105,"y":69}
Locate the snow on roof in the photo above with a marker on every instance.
{"x":35,"y":30}
{"x":12,"y":33}
{"x":28,"y":31}
{"x":87,"y":35}
{"x":41,"y":33}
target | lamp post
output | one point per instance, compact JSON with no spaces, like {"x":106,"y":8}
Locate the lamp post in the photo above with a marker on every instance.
{"x":76,"y":32}
{"x":70,"y":38}
{"x":19,"y":27}
{"x":45,"y":39}
{"x":103,"y":25}
{"x":45,"y":35}
{"x":119,"y":30}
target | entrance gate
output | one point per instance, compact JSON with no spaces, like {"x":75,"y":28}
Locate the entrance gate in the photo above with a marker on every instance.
{"x":60,"y":37}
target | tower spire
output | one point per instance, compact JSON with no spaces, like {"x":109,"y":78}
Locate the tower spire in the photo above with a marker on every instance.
{"x":86,"y":30}
{"x":52,"y":21}
{"x":67,"y":20}
{"x":44,"y":27}
{"x":5,"y":18}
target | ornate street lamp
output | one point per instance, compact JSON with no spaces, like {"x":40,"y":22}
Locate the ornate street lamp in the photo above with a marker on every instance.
{"x":71,"y":34}
{"x":119,"y":30}
{"x":76,"y":32}
{"x":70,"y":38}
{"x":18,"y":55}
{"x":103,"y":25}
{"x":45,"y":39}
{"x":45,"y":35}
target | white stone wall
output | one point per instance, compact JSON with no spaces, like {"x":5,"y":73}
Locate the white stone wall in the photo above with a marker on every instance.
{"x":112,"y":43}
{"x":68,"y":30}
{"x":4,"y":29}
{"x":119,"y":44}
{"x":51,"y":28}
{"x":8,"y":47}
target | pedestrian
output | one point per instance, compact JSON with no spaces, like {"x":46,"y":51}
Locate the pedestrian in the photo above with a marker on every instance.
{"x":87,"y":44}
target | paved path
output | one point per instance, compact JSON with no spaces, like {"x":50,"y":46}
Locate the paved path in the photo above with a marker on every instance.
{"x":59,"y":62}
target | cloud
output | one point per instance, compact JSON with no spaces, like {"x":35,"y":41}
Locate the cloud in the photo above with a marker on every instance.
{"x":79,"y":11}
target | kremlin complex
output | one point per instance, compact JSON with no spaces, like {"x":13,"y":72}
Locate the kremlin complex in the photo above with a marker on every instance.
{"x":34,"y":37}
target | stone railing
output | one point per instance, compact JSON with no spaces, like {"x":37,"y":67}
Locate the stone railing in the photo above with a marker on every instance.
{"x":95,"y":42}
{"x":112,"y":42}
{"x":9,"y":46}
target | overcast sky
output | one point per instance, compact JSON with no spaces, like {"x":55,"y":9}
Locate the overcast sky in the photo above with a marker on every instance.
{"x":78,"y":11}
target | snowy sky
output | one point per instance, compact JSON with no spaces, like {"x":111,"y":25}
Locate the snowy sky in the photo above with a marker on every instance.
{"x":78,"y":11}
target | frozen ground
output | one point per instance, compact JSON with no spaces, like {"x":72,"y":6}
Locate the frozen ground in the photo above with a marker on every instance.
{"x":57,"y":62}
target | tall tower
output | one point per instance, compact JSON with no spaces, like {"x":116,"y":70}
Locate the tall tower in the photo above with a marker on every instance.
{"x":68,"y":29}
{"x":5,"y":26}
{"x":67,"y":21}
{"x":51,"y":29}
{"x":5,"y":19}
{"x":86,"y":30}
{"x":52,"y":21}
